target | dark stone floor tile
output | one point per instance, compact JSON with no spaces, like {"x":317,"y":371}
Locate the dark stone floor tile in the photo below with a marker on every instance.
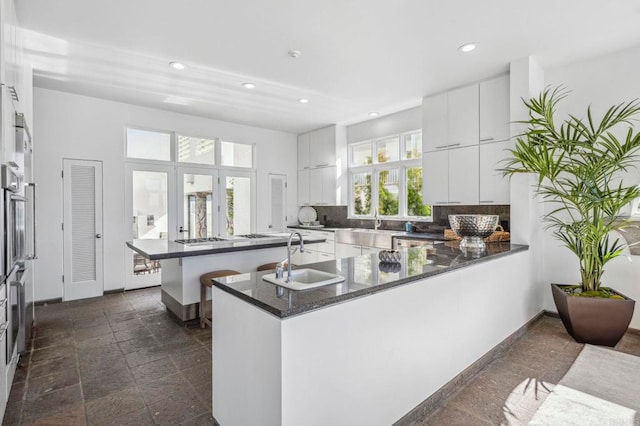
{"x":137,"y":418}
{"x":53,"y":365}
{"x":103,"y":367}
{"x":122,"y":316}
{"x":134,"y":333}
{"x":13,"y":413}
{"x":91,"y":355}
{"x":43,"y":385}
{"x":198,"y":376}
{"x":90,"y":322}
{"x":127,"y":324}
{"x":49,"y":328}
{"x":196,"y":358}
{"x":205,"y":419}
{"x":134,"y":345}
{"x":117,"y":308}
{"x":18,"y":391}
{"x":89,"y":332}
{"x":53,"y":402}
{"x":171,"y":385}
{"x":70,"y":417}
{"x":52,"y":352}
{"x":153,"y":370}
{"x":205,"y":394}
{"x":181,"y":348}
{"x":205,"y":339}
{"x":116,"y":404}
{"x":48,"y":341}
{"x":176,"y":409}
{"x":452,"y":416}
{"x":96,"y":342}
{"x":22,"y":370}
{"x":145,"y":355}
{"x":101,"y":385}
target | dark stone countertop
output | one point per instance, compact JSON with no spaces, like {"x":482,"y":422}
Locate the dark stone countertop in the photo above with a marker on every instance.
{"x":165,"y":249}
{"x":435,"y":236}
{"x":364,"y":275}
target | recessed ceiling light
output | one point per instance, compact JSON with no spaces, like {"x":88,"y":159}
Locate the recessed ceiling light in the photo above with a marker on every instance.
{"x":294,"y":54}
{"x":176,"y":65}
{"x":248,"y":85}
{"x":303,"y":100}
{"x":467,"y":47}
{"x":374,"y":114}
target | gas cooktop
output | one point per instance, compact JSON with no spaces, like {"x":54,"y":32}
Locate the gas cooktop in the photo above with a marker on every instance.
{"x":253,"y":236}
{"x":192,"y":241}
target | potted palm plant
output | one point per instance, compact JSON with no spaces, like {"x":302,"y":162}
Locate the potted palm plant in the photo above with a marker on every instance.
{"x":578,"y":163}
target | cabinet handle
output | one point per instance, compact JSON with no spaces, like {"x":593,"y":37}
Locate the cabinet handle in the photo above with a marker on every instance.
{"x":322,"y":165}
{"x":441,"y":146}
{"x":486,"y":201}
{"x":486,"y":139}
{"x":454,"y":144}
{"x":441,"y":202}
{"x":306,"y":167}
{"x":454,"y":202}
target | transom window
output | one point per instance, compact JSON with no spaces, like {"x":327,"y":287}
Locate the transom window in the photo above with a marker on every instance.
{"x":385,"y":175}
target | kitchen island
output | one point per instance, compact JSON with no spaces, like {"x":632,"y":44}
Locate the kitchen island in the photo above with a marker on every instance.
{"x":367,"y":350}
{"x":182,"y":264}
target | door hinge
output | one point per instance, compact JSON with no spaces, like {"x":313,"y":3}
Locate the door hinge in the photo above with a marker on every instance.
{"x":62,"y":174}
{"x":62,"y":226}
{"x":286,"y":185}
{"x":218,"y":209}
{"x":218,"y":181}
{"x":63,"y":278}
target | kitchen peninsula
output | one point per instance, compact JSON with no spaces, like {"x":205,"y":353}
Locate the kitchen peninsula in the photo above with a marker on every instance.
{"x":182,"y":264}
{"x":367,"y":350}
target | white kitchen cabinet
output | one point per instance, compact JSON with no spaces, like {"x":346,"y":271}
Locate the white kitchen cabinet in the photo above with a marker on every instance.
{"x":303,"y":151}
{"x":450,"y":177}
{"x":463,"y":116}
{"x":370,"y":250}
{"x":435,"y":171}
{"x":318,"y":252}
{"x":329,"y":179}
{"x":494,"y":188}
{"x":303,"y":187}
{"x":347,"y":250}
{"x":463,"y":176}
{"x":316,"y":183}
{"x":435,"y":125}
{"x":494,"y":110}
{"x":321,"y":186}
{"x":322,"y":147}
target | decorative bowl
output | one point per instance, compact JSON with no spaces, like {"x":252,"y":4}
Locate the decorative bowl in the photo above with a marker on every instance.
{"x":388,"y":256}
{"x":473,"y":228}
{"x":390,"y":267}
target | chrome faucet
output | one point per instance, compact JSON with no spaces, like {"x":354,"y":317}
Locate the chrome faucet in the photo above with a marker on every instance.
{"x":280,"y":266}
{"x":377,"y":222}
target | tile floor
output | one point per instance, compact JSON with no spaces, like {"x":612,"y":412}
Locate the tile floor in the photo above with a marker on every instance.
{"x":121,"y":360}
{"x":113,"y":360}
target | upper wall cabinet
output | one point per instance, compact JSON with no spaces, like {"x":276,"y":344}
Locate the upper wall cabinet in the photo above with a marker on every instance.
{"x":494,"y":110}
{"x":317,"y":148}
{"x":450,"y":120}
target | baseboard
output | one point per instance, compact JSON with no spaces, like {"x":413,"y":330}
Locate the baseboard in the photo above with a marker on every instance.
{"x":48,"y":301}
{"x":434,"y":402}
{"x":117,"y":290}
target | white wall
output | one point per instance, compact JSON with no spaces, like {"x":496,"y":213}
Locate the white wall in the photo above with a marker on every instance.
{"x":80,"y":127}
{"x":601,"y":83}
{"x":399,"y":122}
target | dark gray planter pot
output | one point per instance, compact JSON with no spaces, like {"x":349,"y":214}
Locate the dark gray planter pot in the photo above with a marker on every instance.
{"x":593,"y":320}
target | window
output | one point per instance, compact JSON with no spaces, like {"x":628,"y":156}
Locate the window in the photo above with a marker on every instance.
{"x":389,"y":182}
{"x":237,"y":154}
{"x":148,"y":145}
{"x":196,"y":150}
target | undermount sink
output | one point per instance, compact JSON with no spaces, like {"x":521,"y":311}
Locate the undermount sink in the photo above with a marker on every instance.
{"x":304,"y":279}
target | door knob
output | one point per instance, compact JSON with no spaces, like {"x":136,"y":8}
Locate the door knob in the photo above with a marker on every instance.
{"x":98,"y":235}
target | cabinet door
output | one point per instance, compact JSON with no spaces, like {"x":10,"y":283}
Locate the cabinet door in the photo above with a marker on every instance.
{"x":494,"y":110}
{"x":309,"y":256}
{"x":322,"y":147}
{"x":323,"y":257}
{"x":464,"y":116}
{"x":494,"y":188}
{"x":347,"y":250}
{"x":463,"y":176}
{"x":435,"y":130}
{"x":435,"y":177}
{"x":303,"y":187}
{"x":303,"y":151}
{"x":371,"y":250}
{"x":315,"y":186}
{"x":329,"y":179}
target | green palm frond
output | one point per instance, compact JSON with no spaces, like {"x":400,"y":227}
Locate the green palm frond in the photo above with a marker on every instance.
{"x":578,"y":164}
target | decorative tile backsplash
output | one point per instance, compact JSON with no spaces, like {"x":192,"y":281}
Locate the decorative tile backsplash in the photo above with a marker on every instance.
{"x":336,"y":217}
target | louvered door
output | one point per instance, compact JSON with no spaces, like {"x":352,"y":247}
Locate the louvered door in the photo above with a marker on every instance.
{"x":82,"y":228}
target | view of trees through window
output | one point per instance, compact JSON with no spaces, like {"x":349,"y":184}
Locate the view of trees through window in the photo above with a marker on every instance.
{"x":395,"y":188}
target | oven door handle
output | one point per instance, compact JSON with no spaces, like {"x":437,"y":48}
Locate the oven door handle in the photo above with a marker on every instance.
{"x":34,"y":255}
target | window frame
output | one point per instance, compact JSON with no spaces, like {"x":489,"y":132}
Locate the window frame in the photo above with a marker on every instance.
{"x":375,"y":168}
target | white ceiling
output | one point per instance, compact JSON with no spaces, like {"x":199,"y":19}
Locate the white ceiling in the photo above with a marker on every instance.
{"x":357,"y":55}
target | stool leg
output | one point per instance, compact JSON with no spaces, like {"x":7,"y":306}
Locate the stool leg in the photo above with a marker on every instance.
{"x":202,"y":308}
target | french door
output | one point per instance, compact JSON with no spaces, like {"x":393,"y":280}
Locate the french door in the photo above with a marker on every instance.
{"x":150,"y":199}
{"x":237,"y":202}
{"x":197,"y":215}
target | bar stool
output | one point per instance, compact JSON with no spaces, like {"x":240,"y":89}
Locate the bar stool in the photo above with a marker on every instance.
{"x":267,"y":267}
{"x":205,"y":281}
